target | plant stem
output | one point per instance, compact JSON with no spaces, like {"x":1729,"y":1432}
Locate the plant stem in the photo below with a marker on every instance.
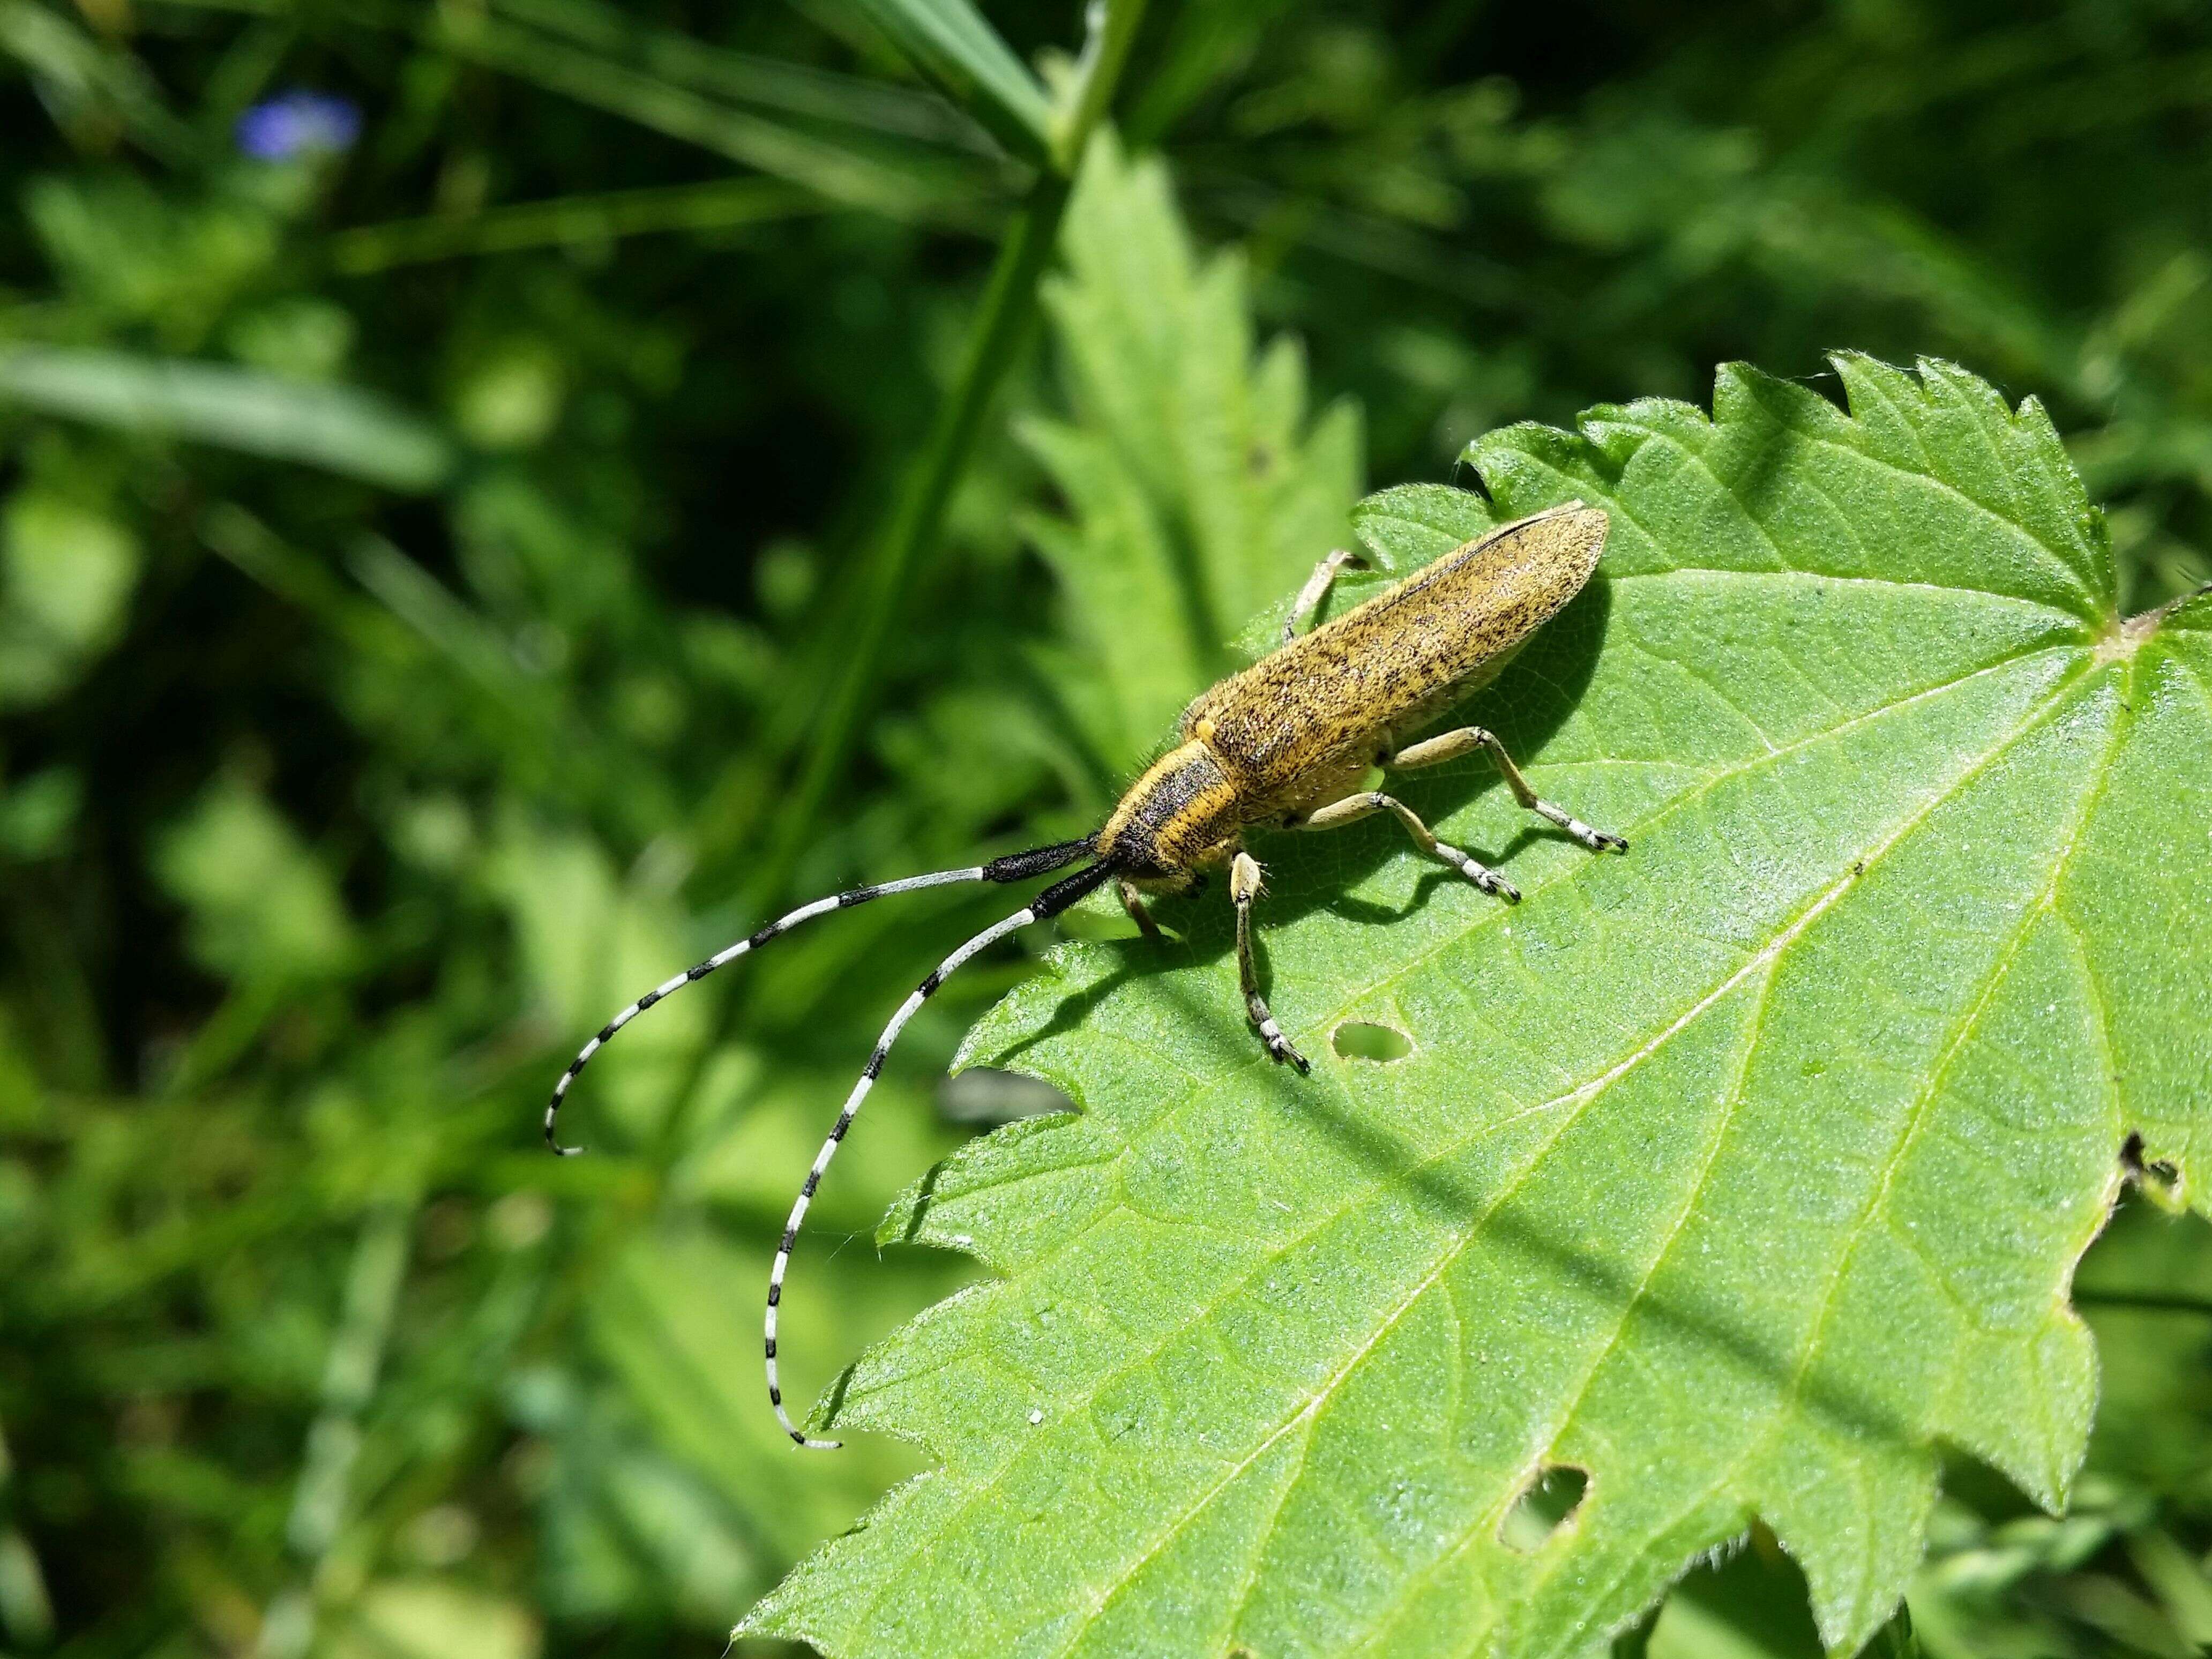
{"x":719,"y":204}
{"x":886,"y":585}
{"x":2150,"y":1301}
{"x":1111,"y":30}
{"x":322,"y":1495}
{"x":1009,"y":302}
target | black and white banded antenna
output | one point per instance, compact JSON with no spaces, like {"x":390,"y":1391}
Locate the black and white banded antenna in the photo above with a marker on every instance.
{"x":1015,"y":866}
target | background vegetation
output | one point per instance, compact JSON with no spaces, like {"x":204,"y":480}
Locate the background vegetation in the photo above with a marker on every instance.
{"x":466,"y":551}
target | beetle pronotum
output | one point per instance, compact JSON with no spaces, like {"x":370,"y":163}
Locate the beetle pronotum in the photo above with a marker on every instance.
{"x":1288,"y":743}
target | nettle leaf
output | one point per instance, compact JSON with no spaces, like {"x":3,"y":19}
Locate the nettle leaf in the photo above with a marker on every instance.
{"x":1198,"y":489}
{"x":1729,"y":1180}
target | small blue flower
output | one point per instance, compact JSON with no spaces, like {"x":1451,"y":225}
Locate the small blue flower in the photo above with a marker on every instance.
{"x":294,"y":124}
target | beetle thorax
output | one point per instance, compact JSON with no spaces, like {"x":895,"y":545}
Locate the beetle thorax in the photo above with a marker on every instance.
{"x":1178,"y":818}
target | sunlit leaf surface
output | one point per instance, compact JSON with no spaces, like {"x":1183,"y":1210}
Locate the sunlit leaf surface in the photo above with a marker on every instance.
{"x":1735,"y":1175}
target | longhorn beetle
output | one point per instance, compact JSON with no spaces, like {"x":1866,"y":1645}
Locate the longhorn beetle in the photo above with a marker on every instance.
{"x":1287,"y":743}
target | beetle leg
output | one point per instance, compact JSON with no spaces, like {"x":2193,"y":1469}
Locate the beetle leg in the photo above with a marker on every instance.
{"x":1315,"y":590}
{"x":1244,"y":881}
{"x":1352,"y":808}
{"x":1450,"y":746}
{"x":1133,"y":903}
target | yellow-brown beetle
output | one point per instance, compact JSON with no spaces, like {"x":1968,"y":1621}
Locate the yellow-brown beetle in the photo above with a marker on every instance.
{"x":1287,"y":743}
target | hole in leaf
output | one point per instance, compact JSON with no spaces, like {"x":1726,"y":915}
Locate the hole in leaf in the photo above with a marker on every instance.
{"x":1749,"y":1597}
{"x":1543,"y":1506}
{"x":1357,"y":1039}
{"x":981,"y":1095}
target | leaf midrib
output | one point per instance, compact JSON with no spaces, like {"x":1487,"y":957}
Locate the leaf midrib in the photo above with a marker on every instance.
{"x":1804,"y":574}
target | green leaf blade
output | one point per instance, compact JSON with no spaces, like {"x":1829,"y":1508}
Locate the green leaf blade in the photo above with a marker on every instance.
{"x":2140,"y":887}
{"x":1199,"y":486}
{"x":1739,"y":1174}
{"x":954,"y":47}
{"x":339,"y":428}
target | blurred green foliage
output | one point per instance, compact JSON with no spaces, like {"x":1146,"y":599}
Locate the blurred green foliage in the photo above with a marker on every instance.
{"x":423,"y":564}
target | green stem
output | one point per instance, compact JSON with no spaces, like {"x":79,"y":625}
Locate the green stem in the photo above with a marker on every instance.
{"x":321,"y":1497}
{"x":2151,"y":1301}
{"x":720,"y":204}
{"x":1010,"y":301}
{"x":1105,"y":54}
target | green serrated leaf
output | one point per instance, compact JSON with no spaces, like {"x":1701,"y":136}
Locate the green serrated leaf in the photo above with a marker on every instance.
{"x":1405,"y":527}
{"x":1739,"y":1174}
{"x":1198,"y":489}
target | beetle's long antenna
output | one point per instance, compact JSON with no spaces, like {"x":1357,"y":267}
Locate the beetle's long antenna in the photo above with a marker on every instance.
{"x":1050,"y":902}
{"x":1015,"y":866}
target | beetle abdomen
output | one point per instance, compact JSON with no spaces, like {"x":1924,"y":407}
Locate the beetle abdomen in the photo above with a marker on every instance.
{"x":1407,"y":651}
